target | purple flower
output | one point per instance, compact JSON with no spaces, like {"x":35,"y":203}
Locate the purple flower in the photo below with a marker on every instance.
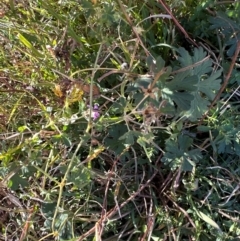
{"x":95,"y":114}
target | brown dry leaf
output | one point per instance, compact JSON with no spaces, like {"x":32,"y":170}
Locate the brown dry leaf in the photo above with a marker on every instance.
{"x":2,"y":13}
{"x":86,"y":88}
{"x":57,"y":91}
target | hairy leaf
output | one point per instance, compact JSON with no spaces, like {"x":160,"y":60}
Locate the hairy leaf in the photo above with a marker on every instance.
{"x":193,"y":89}
{"x":178,"y":154}
{"x":204,"y":93}
{"x":178,"y":90}
{"x":129,"y":137}
{"x":209,"y":85}
{"x":199,"y":65}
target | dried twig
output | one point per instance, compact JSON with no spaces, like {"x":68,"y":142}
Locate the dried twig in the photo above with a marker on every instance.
{"x":116,"y":208}
{"x":133,"y":28}
{"x":177,"y":23}
{"x":181,"y":209}
{"x":26,"y":226}
{"x":99,"y":226}
{"x":224,"y":85}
